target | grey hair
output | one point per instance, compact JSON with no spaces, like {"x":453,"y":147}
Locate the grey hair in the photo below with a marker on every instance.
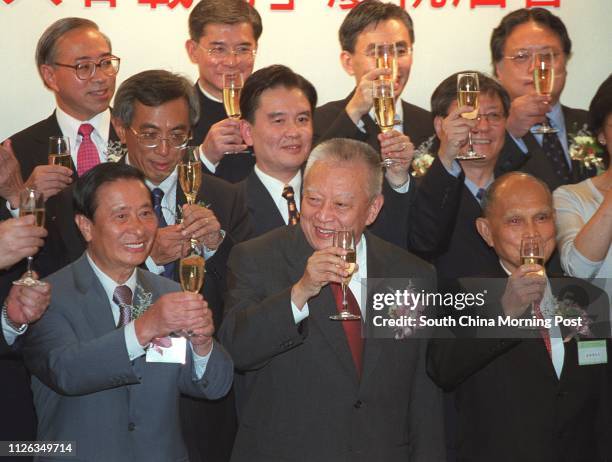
{"x":154,"y":88}
{"x":46,"y":49}
{"x":346,"y":150}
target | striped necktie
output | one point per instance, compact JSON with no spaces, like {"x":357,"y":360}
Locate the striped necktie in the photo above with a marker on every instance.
{"x":157,"y":195}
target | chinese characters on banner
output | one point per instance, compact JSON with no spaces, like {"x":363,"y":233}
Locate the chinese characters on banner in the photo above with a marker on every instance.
{"x":289,"y":5}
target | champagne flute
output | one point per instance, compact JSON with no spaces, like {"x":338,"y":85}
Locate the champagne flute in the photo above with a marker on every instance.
{"x":544,"y":79}
{"x":468,"y":91}
{"x":191,"y":274}
{"x":31,"y":202}
{"x":386,"y":58}
{"x":232,"y":87}
{"x":532,"y":253}
{"x":384,"y":111}
{"x":190,"y":173}
{"x":346,"y":240}
{"x":59,"y":151}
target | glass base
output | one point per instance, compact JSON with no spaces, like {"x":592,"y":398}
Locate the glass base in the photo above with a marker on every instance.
{"x":28,"y":282}
{"x":544,"y":129}
{"x":344,"y":316}
{"x":471,"y":155}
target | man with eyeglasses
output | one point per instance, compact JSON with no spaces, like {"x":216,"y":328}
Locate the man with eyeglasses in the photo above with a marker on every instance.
{"x":519,"y":35}
{"x":75,"y":61}
{"x":448,"y":199}
{"x":223,"y":40}
{"x":368,"y":24}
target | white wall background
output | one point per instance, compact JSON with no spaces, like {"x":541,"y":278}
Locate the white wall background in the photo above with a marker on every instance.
{"x":448,"y":39}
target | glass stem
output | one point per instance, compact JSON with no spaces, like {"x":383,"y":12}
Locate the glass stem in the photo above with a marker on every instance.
{"x":470,"y":145}
{"x":344,"y":302}
{"x":29,"y":267}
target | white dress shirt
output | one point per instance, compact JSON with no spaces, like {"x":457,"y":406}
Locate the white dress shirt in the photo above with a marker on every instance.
{"x":209,"y":165}
{"x":70,"y":129}
{"x":275,"y":188}
{"x":357,"y":285}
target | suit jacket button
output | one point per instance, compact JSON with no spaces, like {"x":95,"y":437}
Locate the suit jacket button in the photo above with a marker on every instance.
{"x":131,"y":426}
{"x":358,"y":404}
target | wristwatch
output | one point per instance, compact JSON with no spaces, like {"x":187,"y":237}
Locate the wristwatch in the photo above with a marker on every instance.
{"x":18,"y":329}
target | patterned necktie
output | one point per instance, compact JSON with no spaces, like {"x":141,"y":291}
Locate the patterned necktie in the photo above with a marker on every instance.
{"x":157,"y":195}
{"x":352,"y":329}
{"x":551,"y":145}
{"x":543,"y":331}
{"x":294,"y":215}
{"x":87,"y":156}
{"x":123,"y":298}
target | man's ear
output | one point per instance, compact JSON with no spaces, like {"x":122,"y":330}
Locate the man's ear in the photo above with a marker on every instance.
{"x":374,"y":208}
{"x":192,"y":48}
{"x":84,"y":224}
{"x":246,"y":131}
{"x":484,"y":229}
{"x":119,"y":129}
{"x":48,"y":75}
{"x":437,"y":122}
{"x":346,"y":59}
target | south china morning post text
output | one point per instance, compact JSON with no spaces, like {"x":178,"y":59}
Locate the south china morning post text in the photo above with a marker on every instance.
{"x":402,"y":308}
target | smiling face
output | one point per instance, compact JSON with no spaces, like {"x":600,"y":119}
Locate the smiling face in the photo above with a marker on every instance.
{"x":211,"y":67}
{"x":522,"y":207}
{"x":362,"y":60}
{"x":517,"y":77}
{"x":120,"y":236}
{"x":335,"y":198}
{"x":167,"y":119}
{"x":82,"y":99}
{"x":281,"y":132}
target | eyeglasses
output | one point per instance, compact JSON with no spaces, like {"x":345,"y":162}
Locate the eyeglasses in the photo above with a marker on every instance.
{"x":240,"y":52}
{"x":493,"y":118}
{"x":154,"y":139}
{"x":85,"y":70}
{"x":525,"y":57}
{"x":402,"y":51}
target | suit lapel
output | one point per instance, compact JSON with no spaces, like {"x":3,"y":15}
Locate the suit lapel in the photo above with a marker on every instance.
{"x":95,"y":302}
{"x":321,"y":306}
{"x":261,"y":206}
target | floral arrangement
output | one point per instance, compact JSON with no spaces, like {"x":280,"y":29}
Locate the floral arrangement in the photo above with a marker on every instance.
{"x":585,"y":149}
{"x":398,"y":311}
{"x":115,"y":151}
{"x":569,"y":309}
{"x":423,"y":158}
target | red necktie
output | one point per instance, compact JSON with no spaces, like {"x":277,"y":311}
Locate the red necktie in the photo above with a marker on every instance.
{"x":543,"y":332}
{"x":87,"y":156}
{"x":352,"y":329}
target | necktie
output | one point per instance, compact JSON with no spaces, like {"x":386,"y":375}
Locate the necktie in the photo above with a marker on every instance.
{"x":543,"y":331}
{"x":352,"y":329}
{"x":87,"y":156}
{"x":551,"y":145}
{"x":157,"y":194}
{"x":480,"y":194}
{"x":123,"y":298}
{"x":294,"y":215}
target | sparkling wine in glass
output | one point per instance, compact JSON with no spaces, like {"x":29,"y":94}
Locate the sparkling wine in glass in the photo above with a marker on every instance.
{"x":232,"y":87}
{"x":191,"y":268}
{"x":346,"y":240}
{"x":544,"y":79}
{"x":384,"y":111}
{"x":31,"y":202}
{"x":59,"y":151}
{"x":468,"y":91}
{"x":532,"y":253}
{"x":190,"y":173}
{"x":386,"y":58}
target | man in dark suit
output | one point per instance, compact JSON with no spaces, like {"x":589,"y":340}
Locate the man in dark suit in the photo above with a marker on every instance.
{"x":223,"y":37}
{"x":530,"y":399}
{"x":519,"y":35}
{"x":442,"y":218}
{"x":154,"y":112}
{"x":104,"y":315}
{"x":277,"y":106}
{"x":75,"y":61}
{"x":315,"y":389}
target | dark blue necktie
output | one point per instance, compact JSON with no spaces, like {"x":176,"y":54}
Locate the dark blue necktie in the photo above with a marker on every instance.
{"x":552,"y":147}
{"x":157,"y":195}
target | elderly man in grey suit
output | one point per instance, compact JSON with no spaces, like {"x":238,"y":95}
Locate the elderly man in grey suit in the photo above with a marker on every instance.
{"x":91,"y":382}
{"x":315,"y":389}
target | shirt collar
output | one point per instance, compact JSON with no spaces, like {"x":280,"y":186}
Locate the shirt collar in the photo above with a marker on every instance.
{"x":70,"y":126}
{"x":108,"y":284}
{"x":275,"y":186}
{"x":474,"y":188}
{"x":208,"y":95}
{"x":166,"y":186}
